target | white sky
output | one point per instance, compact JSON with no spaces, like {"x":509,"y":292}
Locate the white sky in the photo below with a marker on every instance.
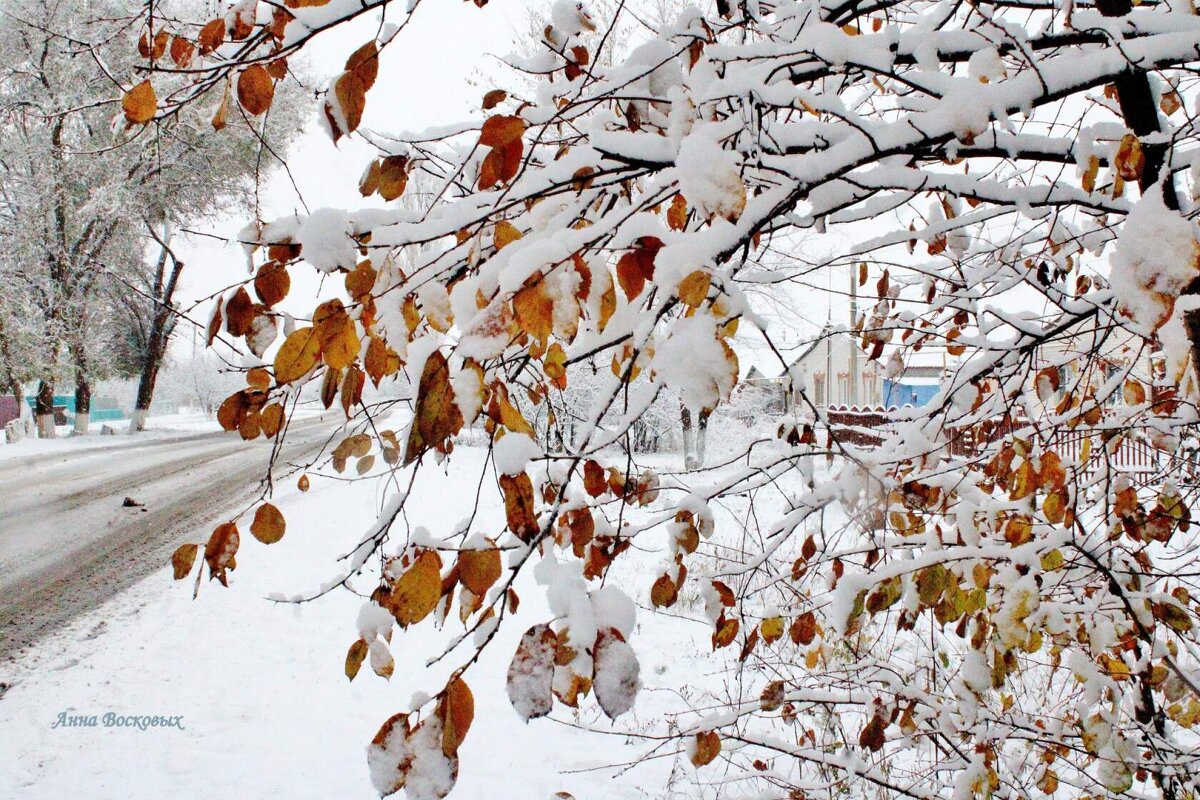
{"x":430,"y":75}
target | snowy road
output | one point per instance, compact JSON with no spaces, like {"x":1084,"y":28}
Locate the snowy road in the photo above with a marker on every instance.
{"x":66,"y":541}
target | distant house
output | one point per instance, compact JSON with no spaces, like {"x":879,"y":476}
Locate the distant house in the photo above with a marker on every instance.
{"x":834,"y":371}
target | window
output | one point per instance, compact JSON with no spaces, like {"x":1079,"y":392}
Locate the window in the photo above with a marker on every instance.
{"x":819,"y":389}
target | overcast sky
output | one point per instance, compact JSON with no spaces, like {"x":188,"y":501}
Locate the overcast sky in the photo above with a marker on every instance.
{"x":432,"y":74}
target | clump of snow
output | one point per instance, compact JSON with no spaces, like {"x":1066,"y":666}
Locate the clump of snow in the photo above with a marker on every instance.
{"x":414,"y":761}
{"x":570,"y":17}
{"x":694,"y":361}
{"x":374,"y":621}
{"x":614,"y":609}
{"x":617,"y":677}
{"x":325,"y":240}
{"x":708,"y":175}
{"x":468,"y":394}
{"x":513,"y":452}
{"x":1154,"y":259}
{"x":986,"y":65}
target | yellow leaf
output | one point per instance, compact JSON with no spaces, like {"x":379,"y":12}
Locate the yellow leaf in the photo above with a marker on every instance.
{"x":416,"y":593}
{"x":354,"y":658}
{"x":337,"y":333}
{"x":771,"y":629}
{"x":297,"y":355}
{"x":534,"y":308}
{"x":694,"y":288}
{"x":506,"y":233}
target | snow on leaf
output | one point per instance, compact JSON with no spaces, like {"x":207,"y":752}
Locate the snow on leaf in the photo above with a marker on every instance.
{"x":615,"y":678}
{"x":531,"y":673}
{"x":220,"y":550}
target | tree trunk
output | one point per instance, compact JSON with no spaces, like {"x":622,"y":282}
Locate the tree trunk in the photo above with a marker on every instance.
{"x":44,"y":410}
{"x":702,"y":438}
{"x":83,"y":392}
{"x":83,"y":404}
{"x":160,"y":329}
{"x":689,"y":438}
{"x":147,"y":381}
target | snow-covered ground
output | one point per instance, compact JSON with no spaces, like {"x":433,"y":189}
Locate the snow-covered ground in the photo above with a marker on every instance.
{"x":266,"y":709}
{"x":167,"y":426}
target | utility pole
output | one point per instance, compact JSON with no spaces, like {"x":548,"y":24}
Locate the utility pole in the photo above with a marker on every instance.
{"x":853,"y":382}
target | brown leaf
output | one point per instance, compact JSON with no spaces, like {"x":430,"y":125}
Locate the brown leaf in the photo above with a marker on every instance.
{"x":456,"y":709}
{"x":271,"y":283}
{"x":872,"y":736}
{"x":271,"y":420}
{"x":182,"y":52}
{"x":268,"y":525}
{"x":479,"y":569}
{"x":706,"y":747}
{"x":664,"y":592}
{"x":494,"y":98}
{"x":183,"y":558}
{"x":364,"y":63}
{"x":804,"y":629}
{"x":140,"y":104}
{"x":297,"y":355}
{"x":518,"y":505}
{"x":220,"y":550}
{"x":255,"y":89}
{"x":232,"y":411}
{"x":352,"y":389}
{"x":437,"y":416}
{"x":501,"y":164}
{"x":501,"y":130}
{"x":351,"y":97}
{"x":726,"y":631}
{"x":212,"y":36}
{"x":636,"y":266}
{"x":616,"y":674}
{"x":381,"y":360}
{"x":677,"y":213}
{"x":239,"y":313}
